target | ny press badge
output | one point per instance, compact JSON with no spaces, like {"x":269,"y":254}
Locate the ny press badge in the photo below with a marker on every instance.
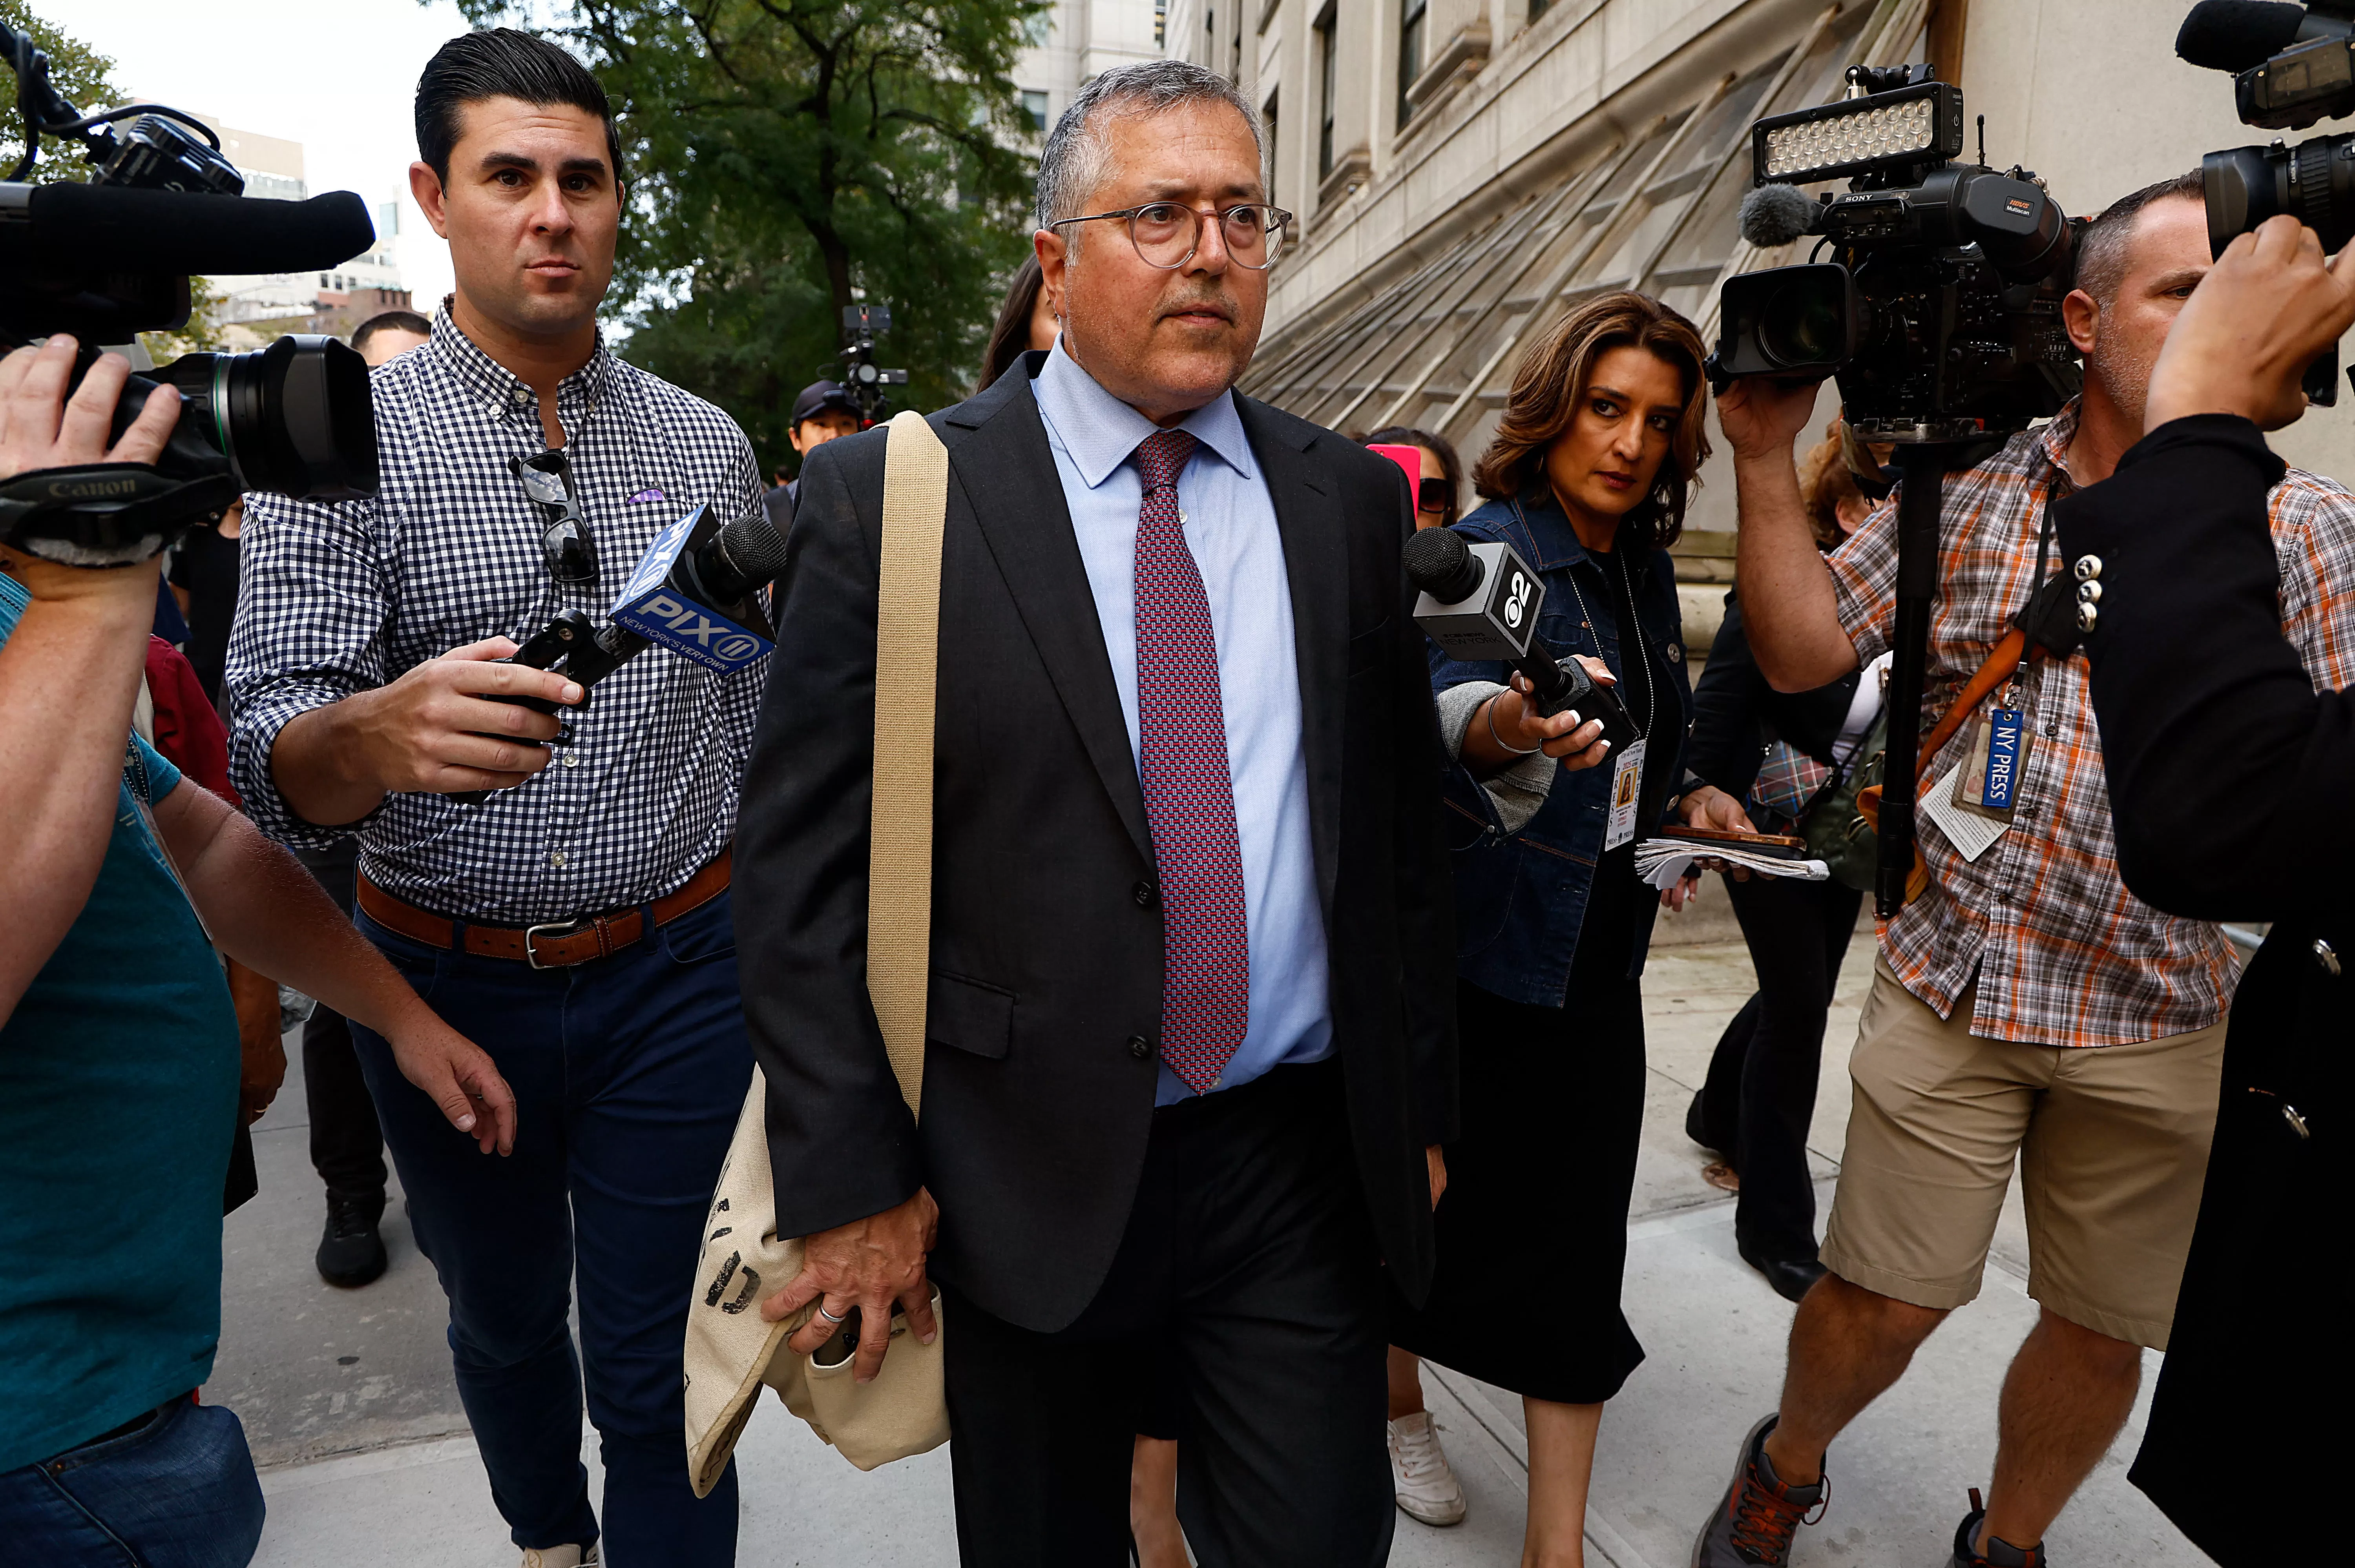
{"x":1988,"y":783}
{"x":1626,"y":784}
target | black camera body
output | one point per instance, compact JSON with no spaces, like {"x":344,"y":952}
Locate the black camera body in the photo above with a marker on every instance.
{"x":109,"y":259}
{"x":861,"y":377}
{"x":2291,"y":64}
{"x":1940,"y":314}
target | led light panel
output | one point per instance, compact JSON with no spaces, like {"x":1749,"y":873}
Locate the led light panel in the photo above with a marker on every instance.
{"x":1858,"y":135}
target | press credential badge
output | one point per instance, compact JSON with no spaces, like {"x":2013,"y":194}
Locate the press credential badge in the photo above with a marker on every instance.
{"x":1626,"y":783}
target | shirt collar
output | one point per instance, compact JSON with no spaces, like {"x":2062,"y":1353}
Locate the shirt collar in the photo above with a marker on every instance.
{"x":502,"y":392}
{"x":1099,"y":431}
{"x":2055,"y":434}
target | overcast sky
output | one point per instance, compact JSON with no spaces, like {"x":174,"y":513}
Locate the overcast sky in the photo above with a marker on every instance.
{"x":338,"y":77}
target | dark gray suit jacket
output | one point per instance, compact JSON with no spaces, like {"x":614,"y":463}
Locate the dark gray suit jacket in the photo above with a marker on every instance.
{"x":1045,"y":1005}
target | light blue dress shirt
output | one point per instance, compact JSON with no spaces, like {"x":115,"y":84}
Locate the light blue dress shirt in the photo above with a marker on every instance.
{"x":1230,"y":521}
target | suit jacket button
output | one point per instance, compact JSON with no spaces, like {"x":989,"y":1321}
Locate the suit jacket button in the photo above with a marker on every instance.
{"x":1139,"y":1046}
{"x":1146,"y":894}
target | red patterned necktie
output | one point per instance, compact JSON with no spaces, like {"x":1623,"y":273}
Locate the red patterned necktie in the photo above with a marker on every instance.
{"x":1190,"y":796}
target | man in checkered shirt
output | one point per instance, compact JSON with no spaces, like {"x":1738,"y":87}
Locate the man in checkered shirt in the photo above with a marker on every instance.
{"x":576,"y":922}
{"x":2025,"y":1008}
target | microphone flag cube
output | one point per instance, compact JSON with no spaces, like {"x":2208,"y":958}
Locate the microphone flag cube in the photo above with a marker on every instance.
{"x":1497,"y":614}
{"x":655,"y":605}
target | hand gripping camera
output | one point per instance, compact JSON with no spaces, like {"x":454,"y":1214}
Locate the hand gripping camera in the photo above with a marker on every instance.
{"x":110,"y":260}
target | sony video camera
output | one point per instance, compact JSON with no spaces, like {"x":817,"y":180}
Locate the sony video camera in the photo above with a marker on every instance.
{"x":1940,"y":311}
{"x":861,"y":377}
{"x":112,"y":259}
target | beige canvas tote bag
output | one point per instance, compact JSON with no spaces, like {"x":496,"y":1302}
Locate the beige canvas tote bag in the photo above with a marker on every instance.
{"x":730,"y":1351}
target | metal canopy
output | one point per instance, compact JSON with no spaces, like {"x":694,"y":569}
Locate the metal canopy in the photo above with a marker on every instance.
{"x":1654,"y":210}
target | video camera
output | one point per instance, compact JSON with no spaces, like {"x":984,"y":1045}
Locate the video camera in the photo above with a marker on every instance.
{"x":2291,"y":64}
{"x":112,"y":259}
{"x":861,"y":377}
{"x":1941,"y":316}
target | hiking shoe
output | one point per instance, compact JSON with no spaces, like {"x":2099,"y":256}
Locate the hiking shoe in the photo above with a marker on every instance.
{"x":351,"y":1252}
{"x":1996,"y":1552}
{"x":1426,"y":1489}
{"x":1753,"y":1526}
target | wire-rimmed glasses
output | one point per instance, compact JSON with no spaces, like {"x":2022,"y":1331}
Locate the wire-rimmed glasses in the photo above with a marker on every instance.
{"x":1167,"y":234}
{"x":564,"y":541}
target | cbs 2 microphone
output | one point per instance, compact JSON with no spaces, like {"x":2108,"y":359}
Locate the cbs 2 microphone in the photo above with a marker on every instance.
{"x":1480,"y":602}
{"x":695,"y":591}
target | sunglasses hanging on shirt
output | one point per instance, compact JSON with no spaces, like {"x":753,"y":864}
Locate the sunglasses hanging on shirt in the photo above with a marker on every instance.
{"x":564,"y":540}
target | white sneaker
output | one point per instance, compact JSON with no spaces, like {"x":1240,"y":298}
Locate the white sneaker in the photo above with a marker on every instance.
{"x":1427,"y":1489}
{"x":560,"y":1557}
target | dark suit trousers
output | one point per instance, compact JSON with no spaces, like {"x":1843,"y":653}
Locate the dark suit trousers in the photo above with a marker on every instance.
{"x":346,"y":1144}
{"x":1247,"y":1260}
{"x":1760,"y":1094}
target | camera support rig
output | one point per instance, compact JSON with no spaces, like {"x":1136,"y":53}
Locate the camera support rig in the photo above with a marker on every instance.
{"x":861,"y":377}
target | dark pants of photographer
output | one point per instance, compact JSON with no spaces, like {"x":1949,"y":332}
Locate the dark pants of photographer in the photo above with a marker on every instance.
{"x":346,"y":1144}
{"x":628,"y":1074}
{"x":1760,"y":1091}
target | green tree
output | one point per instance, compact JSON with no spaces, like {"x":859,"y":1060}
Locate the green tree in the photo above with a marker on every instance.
{"x":786,"y":158}
{"x":78,"y":71}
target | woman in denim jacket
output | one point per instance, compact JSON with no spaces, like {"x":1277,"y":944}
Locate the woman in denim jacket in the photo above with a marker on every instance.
{"x":1587,"y":478}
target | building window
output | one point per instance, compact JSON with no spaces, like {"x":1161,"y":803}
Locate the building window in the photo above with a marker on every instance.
{"x":1328,"y":83}
{"x":1034,"y":109}
{"x":1267,"y":121}
{"x":1411,"y":19}
{"x":1035,"y":29}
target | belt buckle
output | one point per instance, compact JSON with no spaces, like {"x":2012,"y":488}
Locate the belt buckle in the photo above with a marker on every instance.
{"x":531,"y":954}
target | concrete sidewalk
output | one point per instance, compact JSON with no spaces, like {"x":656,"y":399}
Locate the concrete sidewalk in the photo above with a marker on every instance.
{"x":349,"y":1399}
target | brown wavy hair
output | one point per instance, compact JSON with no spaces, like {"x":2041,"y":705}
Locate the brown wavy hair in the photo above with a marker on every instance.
{"x":1545,"y":396}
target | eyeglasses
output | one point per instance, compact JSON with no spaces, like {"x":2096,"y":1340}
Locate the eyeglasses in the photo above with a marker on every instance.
{"x":564,"y":541}
{"x":1432,"y":494}
{"x":1167,"y":234}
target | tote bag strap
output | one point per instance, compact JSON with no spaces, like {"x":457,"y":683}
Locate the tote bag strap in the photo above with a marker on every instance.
{"x":907,"y":657}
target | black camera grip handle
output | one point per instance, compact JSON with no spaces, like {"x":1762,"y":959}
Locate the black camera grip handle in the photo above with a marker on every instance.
{"x":1566,"y":684}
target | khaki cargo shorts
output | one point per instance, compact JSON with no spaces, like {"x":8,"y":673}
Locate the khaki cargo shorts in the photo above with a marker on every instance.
{"x":2111,"y":1141}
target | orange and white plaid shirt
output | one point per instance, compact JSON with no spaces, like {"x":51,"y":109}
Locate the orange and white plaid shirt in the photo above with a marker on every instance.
{"x":2065,"y":955}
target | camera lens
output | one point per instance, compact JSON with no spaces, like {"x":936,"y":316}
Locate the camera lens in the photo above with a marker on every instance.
{"x":294,"y":418}
{"x":1804,"y":326}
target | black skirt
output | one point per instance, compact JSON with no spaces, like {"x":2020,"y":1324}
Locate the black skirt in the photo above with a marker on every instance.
{"x":1533,"y":1229}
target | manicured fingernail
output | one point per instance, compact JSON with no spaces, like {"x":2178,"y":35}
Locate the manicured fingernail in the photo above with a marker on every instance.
{"x":1603,"y":744}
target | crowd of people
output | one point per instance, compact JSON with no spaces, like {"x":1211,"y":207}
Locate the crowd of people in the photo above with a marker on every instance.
{"x":1283,"y":1025}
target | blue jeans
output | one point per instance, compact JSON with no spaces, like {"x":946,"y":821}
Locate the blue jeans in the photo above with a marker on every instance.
{"x":179,"y":1492}
{"x":628,"y":1074}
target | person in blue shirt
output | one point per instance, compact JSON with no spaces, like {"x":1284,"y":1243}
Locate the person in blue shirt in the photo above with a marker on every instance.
{"x":118,"y":1046}
{"x":1587,"y":478}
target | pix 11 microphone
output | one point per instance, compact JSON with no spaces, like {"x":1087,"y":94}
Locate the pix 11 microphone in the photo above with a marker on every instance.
{"x":695,"y":591}
{"x":1481,"y":601}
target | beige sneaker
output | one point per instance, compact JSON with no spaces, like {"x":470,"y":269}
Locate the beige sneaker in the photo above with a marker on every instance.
{"x":1427,"y":1489}
{"x":560,"y":1557}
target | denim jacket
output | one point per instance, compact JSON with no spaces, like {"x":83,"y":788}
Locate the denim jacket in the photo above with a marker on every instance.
{"x":1521,"y":898}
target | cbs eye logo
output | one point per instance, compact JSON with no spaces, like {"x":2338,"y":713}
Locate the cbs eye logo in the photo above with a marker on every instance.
{"x":1516,"y":600}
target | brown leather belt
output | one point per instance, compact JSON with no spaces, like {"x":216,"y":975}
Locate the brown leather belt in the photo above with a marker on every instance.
{"x":550,"y":944}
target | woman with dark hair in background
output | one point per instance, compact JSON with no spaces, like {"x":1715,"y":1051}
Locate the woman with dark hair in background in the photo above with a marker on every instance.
{"x":1025,"y":322}
{"x":1441,"y":479}
{"x":1792,"y":755}
{"x":1587,"y":477}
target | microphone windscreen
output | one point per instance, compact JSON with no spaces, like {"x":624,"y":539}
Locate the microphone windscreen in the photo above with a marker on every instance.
{"x":753,"y":550}
{"x":1775,"y":215}
{"x":2236,"y":35}
{"x":117,"y":228}
{"x":1439,"y":563}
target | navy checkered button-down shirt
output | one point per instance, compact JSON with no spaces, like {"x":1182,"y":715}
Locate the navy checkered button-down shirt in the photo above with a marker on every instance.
{"x":340,"y":600}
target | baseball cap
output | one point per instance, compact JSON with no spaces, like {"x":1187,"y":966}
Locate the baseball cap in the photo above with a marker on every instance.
{"x":820,"y":395}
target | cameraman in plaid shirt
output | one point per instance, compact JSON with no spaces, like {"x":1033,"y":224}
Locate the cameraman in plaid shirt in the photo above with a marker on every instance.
{"x":576,"y":922}
{"x":2025,"y":1008}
